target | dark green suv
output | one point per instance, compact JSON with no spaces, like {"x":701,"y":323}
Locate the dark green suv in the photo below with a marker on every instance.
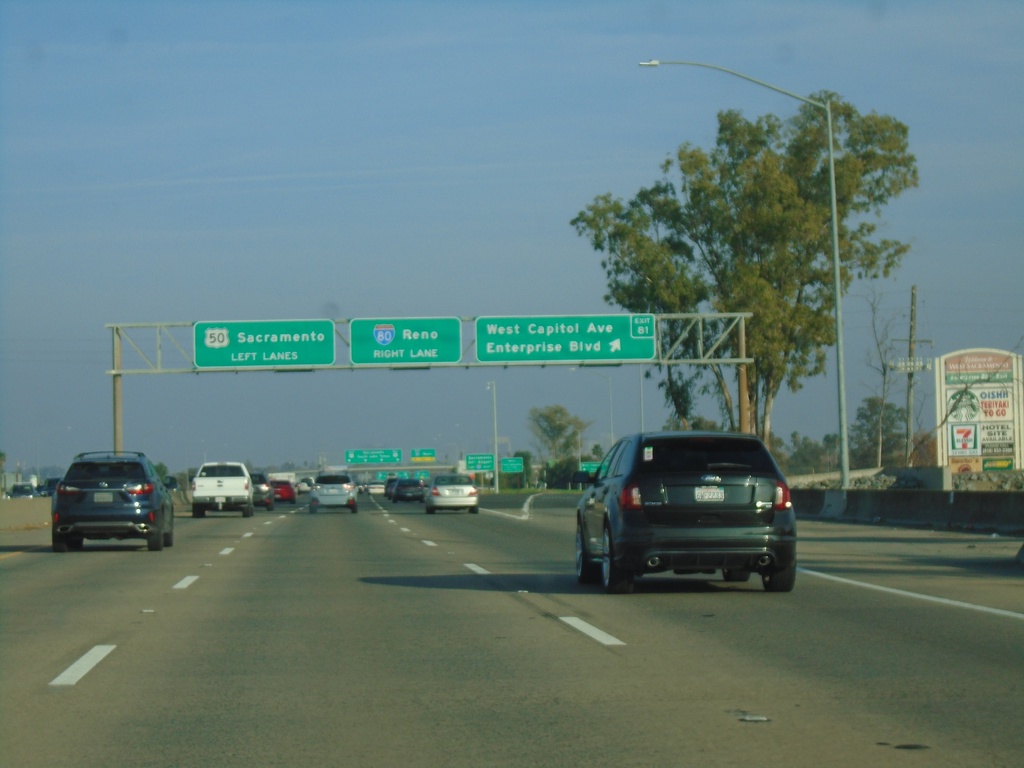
{"x":112,"y":495}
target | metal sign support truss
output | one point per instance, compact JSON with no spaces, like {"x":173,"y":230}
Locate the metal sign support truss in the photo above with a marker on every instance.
{"x":712,"y":338}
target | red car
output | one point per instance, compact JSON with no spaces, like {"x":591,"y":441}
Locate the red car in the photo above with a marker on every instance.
{"x":284,"y":491}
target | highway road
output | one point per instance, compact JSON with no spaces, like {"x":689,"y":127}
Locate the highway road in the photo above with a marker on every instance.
{"x":394,"y":638}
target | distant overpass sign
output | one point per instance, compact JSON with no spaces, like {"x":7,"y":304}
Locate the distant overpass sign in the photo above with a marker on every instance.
{"x":413,"y":341}
{"x":263,"y":344}
{"x":374,"y":456}
{"x":565,"y":339}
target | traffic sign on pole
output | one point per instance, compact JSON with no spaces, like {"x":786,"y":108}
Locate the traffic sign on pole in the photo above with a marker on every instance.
{"x":565,"y":339}
{"x":412,"y":341}
{"x":263,"y":344}
{"x":479,"y":462}
{"x":512,"y":464}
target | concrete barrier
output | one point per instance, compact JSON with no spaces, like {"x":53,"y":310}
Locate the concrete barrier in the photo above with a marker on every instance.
{"x":24,"y":514}
{"x":985,"y":511}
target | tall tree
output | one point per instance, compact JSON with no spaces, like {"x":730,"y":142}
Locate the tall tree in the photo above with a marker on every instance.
{"x":878,"y":422}
{"x":559,"y":434}
{"x":748,"y":229}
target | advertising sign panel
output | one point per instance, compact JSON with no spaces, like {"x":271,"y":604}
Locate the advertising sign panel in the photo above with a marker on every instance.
{"x":979,"y":410}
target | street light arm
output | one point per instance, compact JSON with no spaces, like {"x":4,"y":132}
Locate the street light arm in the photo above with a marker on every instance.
{"x":657,"y":63}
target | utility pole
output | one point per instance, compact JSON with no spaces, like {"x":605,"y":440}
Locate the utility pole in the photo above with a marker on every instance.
{"x":910,"y":365}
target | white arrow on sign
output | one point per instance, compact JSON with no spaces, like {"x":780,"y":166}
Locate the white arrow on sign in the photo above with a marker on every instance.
{"x":616,"y":345}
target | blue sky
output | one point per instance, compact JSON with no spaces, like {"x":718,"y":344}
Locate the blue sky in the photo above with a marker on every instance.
{"x":173,"y":161}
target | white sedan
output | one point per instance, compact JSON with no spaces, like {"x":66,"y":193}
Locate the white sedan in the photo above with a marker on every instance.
{"x":452,"y":492}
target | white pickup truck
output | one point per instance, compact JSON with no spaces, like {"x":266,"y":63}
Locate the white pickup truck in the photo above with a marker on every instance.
{"x":222,"y":485}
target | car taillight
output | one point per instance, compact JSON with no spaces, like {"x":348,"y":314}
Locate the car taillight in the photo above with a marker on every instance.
{"x":630,"y":497}
{"x":782,"y":497}
{"x":473,"y":491}
{"x":66,"y":490}
{"x":141,"y":489}
{"x":434,"y":492}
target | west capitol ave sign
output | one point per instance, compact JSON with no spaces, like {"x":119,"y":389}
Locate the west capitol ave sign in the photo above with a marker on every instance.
{"x":558,"y":338}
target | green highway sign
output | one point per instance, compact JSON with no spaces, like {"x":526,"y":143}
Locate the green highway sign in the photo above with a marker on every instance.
{"x":375,"y":456}
{"x":406,"y":341}
{"x":424,"y":454}
{"x":479,"y":462}
{"x":263,"y":344}
{"x":512,"y":464}
{"x":565,"y":339}
{"x":590,"y":466}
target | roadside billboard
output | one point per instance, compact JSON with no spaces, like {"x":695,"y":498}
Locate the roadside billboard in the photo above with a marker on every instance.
{"x":979,"y":410}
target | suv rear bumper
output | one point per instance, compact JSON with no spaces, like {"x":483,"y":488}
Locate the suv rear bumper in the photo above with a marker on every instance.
{"x":693,"y":551}
{"x":107,"y":529}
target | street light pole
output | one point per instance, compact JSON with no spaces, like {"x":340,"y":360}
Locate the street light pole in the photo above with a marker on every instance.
{"x":844,"y":446}
{"x":494,"y":406}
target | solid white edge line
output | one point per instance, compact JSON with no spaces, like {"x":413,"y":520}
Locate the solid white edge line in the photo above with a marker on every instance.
{"x":915,"y":595}
{"x":81,"y":668}
{"x":186,"y":582}
{"x":591,"y":631}
{"x":477,"y":569}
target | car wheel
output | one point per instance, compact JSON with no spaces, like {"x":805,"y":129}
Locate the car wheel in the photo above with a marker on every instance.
{"x":198,"y":511}
{"x":430,"y":510}
{"x":60,"y":543}
{"x":587,"y":571}
{"x":782,"y":580}
{"x":248,"y":511}
{"x":474,"y":510}
{"x":736,"y":574}
{"x":613,"y":578}
{"x":155,"y":541}
{"x":354,"y":509}
{"x":76,"y":543}
{"x":270,"y":506}
{"x":169,"y":539}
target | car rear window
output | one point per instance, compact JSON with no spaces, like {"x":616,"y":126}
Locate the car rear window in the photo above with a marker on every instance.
{"x":334,"y":479}
{"x":704,"y":454}
{"x":109,"y":471}
{"x":222,"y":470}
{"x":454,"y":480}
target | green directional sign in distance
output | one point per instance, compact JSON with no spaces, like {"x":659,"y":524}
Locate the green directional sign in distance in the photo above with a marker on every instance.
{"x":263,"y":344}
{"x":480,"y":462}
{"x":424,"y":454}
{"x":406,"y":341}
{"x":374,"y":456}
{"x":512,"y":464}
{"x":565,"y":339}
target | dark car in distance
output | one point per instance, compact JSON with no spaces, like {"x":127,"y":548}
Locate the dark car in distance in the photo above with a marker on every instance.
{"x":407,"y":489}
{"x":111,"y":495}
{"x":262,"y":491}
{"x":689,"y":503}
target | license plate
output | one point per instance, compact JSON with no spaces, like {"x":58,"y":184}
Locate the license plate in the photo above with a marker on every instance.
{"x":709,"y":493}
{"x":331,"y":491}
{"x":220,"y":500}
{"x":103,"y":497}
